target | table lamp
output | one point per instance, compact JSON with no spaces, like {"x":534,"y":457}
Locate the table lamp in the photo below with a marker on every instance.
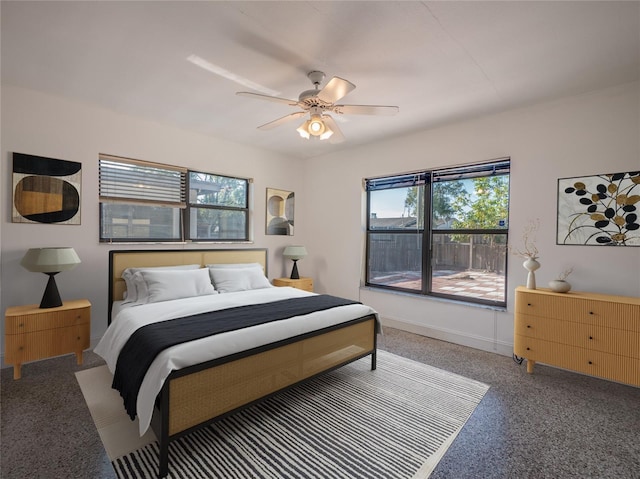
{"x":50,"y":261}
{"x":294,"y":253}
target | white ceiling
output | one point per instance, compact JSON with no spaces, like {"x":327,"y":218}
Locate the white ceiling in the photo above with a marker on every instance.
{"x":438,"y":61}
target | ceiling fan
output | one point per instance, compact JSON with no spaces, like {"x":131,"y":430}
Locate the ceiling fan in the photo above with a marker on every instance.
{"x":318,"y":103}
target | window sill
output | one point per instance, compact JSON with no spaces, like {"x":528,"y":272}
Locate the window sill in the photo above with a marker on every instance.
{"x":433,"y":298}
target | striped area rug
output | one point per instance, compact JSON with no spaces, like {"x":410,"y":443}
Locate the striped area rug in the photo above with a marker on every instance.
{"x":353,"y":423}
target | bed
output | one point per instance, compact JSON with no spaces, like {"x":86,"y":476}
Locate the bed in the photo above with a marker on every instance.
{"x":200,"y":391}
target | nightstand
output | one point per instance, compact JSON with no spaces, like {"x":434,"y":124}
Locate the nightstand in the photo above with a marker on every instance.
{"x":33,"y":333}
{"x":302,"y":283}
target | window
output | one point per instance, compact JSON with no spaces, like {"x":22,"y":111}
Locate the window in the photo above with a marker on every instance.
{"x":440,"y":233}
{"x":218,"y":207}
{"x":140,"y":201}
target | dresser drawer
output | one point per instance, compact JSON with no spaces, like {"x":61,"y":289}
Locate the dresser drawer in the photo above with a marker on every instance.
{"x":541,"y":327}
{"x":578,"y":308}
{"x":595,"y":363}
{"x":598,"y":338}
{"x":607,"y":340}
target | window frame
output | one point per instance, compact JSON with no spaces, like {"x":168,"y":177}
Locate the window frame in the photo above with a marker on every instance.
{"x":428,"y":232}
{"x":122,"y":189}
{"x":194,"y":206}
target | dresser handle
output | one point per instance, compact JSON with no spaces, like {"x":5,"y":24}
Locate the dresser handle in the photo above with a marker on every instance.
{"x":528,"y":304}
{"x":528,"y":349}
{"x":591,"y":312}
{"x":528,"y":325}
{"x":590,"y":362}
{"x":590,"y":337}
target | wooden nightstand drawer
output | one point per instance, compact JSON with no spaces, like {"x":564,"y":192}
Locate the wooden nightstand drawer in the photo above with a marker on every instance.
{"x":55,"y":318}
{"x":43,"y":344}
{"x":305,"y":284}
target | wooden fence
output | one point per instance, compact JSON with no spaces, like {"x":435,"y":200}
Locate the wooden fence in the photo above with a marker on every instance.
{"x":398,"y":253}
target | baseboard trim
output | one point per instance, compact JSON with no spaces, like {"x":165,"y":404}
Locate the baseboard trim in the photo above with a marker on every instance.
{"x":478,"y":342}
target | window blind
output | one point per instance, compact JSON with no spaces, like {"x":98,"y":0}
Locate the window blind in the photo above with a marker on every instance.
{"x":126,"y":180}
{"x":500,"y":167}
{"x":400,"y":181}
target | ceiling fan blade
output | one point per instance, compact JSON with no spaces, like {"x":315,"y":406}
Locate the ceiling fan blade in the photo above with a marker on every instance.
{"x":365,"y":110}
{"x":280,"y":121}
{"x":337,"y":136}
{"x":335,"y":89}
{"x":268,"y":98}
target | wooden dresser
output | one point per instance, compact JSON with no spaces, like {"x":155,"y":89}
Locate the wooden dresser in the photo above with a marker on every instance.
{"x":591,"y":333}
{"x":34,"y":333}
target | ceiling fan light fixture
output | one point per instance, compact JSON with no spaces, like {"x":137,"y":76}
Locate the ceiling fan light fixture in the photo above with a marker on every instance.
{"x":303,"y":130}
{"x":316,"y":126}
{"x":327,"y":133}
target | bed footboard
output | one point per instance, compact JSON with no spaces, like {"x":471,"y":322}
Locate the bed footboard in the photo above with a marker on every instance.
{"x":197,"y":396}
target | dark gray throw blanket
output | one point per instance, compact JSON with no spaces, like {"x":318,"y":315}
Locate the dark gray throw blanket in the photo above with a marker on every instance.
{"x":148,"y":341}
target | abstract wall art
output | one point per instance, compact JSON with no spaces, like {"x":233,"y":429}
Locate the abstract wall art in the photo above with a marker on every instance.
{"x":599,"y":210}
{"x":46,"y":190}
{"x":280,"y":206}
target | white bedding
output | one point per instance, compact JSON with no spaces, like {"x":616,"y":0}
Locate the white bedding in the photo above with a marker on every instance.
{"x":133,"y":317}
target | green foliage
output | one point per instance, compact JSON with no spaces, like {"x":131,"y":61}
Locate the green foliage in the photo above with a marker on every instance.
{"x":448,"y":199}
{"x":414,"y":204}
{"x":452,"y":201}
{"x":482,"y":209}
{"x":489,"y":207}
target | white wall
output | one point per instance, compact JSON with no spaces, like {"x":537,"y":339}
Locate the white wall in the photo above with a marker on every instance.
{"x":584,"y":135}
{"x":43,"y":125}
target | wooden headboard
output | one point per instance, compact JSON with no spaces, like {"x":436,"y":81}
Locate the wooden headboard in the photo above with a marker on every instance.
{"x":119,"y":260}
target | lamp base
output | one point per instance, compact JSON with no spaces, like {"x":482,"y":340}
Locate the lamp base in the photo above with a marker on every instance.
{"x":294,"y":271}
{"x":51,"y":296}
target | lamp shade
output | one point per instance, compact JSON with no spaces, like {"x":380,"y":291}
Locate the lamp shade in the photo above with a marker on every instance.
{"x":50,"y":260}
{"x":304,"y":130}
{"x":294,"y":252}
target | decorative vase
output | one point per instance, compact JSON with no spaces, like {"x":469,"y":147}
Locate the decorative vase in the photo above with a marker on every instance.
{"x":531,"y":264}
{"x":559,"y":286}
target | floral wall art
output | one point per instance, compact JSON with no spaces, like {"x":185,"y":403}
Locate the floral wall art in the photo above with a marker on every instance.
{"x":599,"y":210}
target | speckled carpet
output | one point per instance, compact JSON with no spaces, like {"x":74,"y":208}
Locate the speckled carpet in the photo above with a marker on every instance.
{"x":393,"y":423}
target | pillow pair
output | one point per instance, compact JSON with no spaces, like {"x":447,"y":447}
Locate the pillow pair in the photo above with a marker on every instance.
{"x":229,"y":278}
{"x":137,"y":290}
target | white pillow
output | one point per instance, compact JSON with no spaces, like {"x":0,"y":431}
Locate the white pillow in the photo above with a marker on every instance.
{"x":165,"y":285}
{"x":128,"y":274}
{"x":234,"y":265}
{"x":229,"y":280}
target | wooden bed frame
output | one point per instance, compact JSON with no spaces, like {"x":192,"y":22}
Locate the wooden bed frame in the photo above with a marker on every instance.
{"x":196,"y":396}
